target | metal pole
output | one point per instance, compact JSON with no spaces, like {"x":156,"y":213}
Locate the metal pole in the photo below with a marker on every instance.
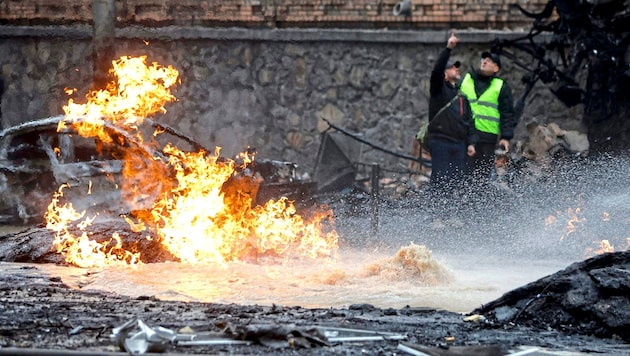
{"x":375,"y":198}
{"x":104,"y":13}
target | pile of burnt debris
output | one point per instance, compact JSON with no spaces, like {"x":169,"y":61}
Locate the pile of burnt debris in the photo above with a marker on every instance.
{"x":590,"y":297}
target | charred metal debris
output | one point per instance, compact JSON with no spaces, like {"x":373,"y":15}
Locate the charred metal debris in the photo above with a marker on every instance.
{"x":586,"y":61}
{"x":36,"y":159}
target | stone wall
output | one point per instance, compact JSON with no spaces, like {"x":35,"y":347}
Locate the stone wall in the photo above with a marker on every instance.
{"x":268,"y":89}
{"x":496,"y":14}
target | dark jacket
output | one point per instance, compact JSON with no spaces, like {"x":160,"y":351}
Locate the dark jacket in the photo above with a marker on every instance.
{"x":506,"y":108}
{"x":1,"y":93}
{"x":454,"y":123}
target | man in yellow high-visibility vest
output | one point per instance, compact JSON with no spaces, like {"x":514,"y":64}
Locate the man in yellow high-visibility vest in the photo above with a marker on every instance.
{"x":492,"y":107}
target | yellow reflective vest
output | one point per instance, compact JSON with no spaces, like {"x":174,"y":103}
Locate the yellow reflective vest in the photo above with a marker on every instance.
{"x":485,"y":108}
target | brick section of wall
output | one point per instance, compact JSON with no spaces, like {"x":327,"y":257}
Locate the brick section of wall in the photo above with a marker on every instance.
{"x":486,"y":14}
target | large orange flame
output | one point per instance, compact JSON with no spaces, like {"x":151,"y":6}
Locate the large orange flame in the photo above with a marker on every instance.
{"x":201,"y":210}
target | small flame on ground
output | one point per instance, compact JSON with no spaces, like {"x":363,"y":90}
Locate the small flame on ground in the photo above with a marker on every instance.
{"x":574,"y":219}
{"x":573,"y":222}
{"x":604,"y":247}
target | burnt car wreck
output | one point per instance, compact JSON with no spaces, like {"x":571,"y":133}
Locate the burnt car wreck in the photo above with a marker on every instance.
{"x":36,"y":158}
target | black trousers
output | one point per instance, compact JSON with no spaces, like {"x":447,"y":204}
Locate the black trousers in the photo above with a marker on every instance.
{"x":481,"y":165}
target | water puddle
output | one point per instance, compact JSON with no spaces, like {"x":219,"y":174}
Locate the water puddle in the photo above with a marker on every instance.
{"x":456,"y":283}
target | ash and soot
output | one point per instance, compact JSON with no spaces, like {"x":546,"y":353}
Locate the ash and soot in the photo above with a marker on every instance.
{"x":191,"y":252}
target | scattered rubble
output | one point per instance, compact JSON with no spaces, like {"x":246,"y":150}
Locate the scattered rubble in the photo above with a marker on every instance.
{"x":545,"y":141}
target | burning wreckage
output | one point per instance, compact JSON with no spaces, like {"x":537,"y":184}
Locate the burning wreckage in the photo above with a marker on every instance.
{"x":105,"y":166}
{"x":98,"y":165}
{"x":36,"y":158}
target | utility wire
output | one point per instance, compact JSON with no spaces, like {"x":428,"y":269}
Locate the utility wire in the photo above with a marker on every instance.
{"x":394,"y":153}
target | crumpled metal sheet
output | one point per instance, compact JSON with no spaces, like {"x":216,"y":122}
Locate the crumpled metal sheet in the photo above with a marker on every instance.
{"x":145,"y":340}
{"x":333,"y":334}
{"x":137,"y":338}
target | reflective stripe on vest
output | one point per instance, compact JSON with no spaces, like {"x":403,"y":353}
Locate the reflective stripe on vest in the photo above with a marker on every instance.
{"x":485,"y":109}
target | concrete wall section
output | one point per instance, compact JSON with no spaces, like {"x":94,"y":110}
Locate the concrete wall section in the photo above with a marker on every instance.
{"x":265,"y":89}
